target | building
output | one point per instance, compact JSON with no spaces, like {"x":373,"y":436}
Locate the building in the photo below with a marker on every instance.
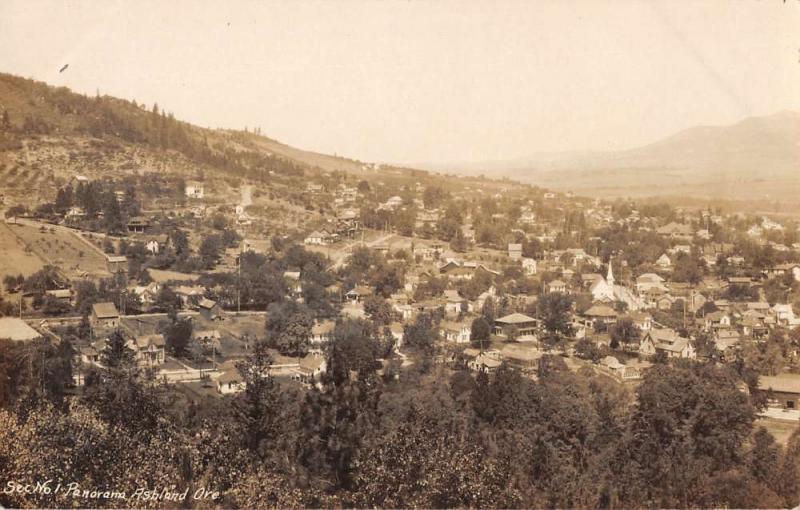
{"x":310,"y":369}
{"x":117,"y":264}
{"x":457,"y":332}
{"x":321,"y":332}
{"x":782,"y":389}
{"x":318,"y":238}
{"x":138,"y":225}
{"x":666,"y":341}
{"x":485,"y":362}
{"x":210,"y":309}
{"x":613,"y":367}
{"x":195,"y":189}
{"x":149,"y":350}
{"x":675,"y":231}
{"x":230,"y":381}
{"x":207,"y":339}
{"x":524,"y":324}
{"x":601,"y":314}
{"x":557,"y":286}
{"x":358,"y":294}
{"x":514,"y":251}
{"x":529,"y":266}
{"x":156,"y":244}
{"x":104,"y":316}
{"x":664,"y":262}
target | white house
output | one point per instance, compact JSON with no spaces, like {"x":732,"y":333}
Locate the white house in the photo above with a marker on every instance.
{"x":529,"y":266}
{"x":664,"y":262}
{"x":195,"y":189}
{"x":457,"y":332}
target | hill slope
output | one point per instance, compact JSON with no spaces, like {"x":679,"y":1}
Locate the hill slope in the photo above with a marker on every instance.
{"x":754,"y":158}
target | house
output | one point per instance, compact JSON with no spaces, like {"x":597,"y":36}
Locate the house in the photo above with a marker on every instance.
{"x":529,"y":266}
{"x":317,"y":238}
{"x":62,"y":295}
{"x":293,"y":279}
{"x":743,"y":281}
{"x":311,"y":368}
{"x":641,"y":320}
{"x":230,"y":381}
{"x":523,"y":356}
{"x":782,"y":389}
{"x":696,"y":301}
{"x":675,"y":231}
{"x":117,"y":264}
{"x":601,"y":314}
{"x":195,"y":189}
{"x":156,"y":244}
{"x":523,"y":324}
{"x":620,"y":371}
{"x":785,"y":315}
{"x":104,"y":316}
{"x":667,"y":341}
{"x":717,"y":320}
{"x":457,"y":271}
{"x":485,"y":362}
{"x":190,"y":294}
{"x":557,"y":286}
{"x":148,"y":350}
{"x":781,"y":269}
{"x":17,"y":330}
{"x":649,"y":281}
{"x":321,"y":332}
{"x":207,"y":339}
{"x":454,"y":304}
{"x":456,"y":332}
{"x":665,"y":302}
{"x":358,"y":293}
{"x":74,"y":213}
{"x":514,"y":251}
{"x":210,"y":309}
{"x":664,"y":262}
{"x":726,"y":341}
{"x":138,"y":224}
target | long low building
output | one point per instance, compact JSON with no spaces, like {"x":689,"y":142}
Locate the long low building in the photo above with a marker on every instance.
{"x":784,"y":389}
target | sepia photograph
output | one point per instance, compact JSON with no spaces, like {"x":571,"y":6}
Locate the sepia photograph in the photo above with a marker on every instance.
{"x":390,"y":254}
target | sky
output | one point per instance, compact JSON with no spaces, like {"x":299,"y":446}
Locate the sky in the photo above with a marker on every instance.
{"x":423,"y":81}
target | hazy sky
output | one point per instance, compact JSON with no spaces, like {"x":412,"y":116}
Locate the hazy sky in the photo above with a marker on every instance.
{"x":423,"y":81}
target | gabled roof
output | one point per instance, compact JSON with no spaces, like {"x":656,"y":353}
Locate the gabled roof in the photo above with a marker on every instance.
{"x":785,"y":383}
{"x":105,"y":310}
{"x":600,"y":311}
{"x":323,"y":327}
{"x":207,"y":304}
{"x":146,"y":341}
{"x":515,"y":318}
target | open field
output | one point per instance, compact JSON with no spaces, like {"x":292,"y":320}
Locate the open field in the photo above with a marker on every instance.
{"x":162,"y":276}
{"x":14,"y":258}
{"x":62,"y":248}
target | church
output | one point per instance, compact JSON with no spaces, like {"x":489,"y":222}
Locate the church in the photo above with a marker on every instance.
{"x":605,"y":290}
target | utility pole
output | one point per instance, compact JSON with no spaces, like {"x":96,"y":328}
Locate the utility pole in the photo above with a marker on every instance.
{"x":239,"y":285}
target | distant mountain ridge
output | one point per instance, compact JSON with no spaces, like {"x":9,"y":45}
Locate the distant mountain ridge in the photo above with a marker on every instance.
{"x":704,"y":160}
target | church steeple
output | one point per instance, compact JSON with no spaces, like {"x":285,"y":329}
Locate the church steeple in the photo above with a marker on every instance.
{"x":610,"y":275}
